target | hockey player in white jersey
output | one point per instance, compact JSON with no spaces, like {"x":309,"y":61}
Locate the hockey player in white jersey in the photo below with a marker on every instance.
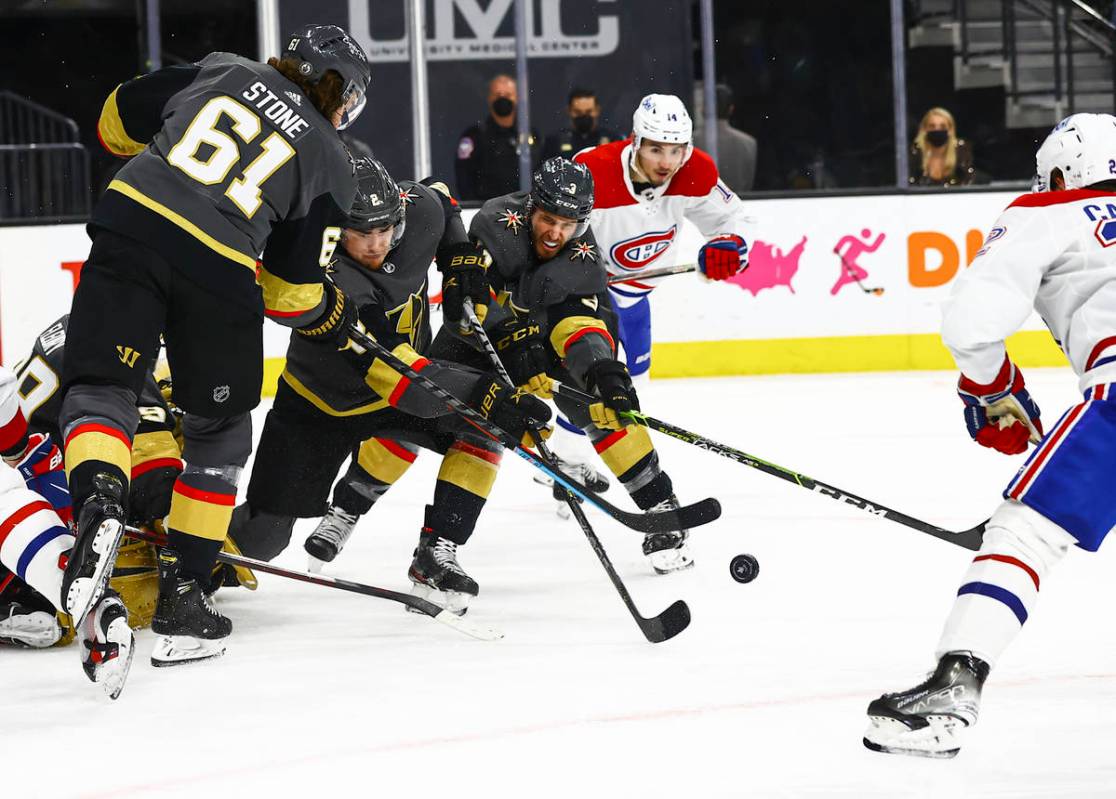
{"x":1051,"y":250}
{"x":35,"y":540}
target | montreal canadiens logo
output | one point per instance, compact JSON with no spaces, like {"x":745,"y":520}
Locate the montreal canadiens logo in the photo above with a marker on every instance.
{"x":640,"y":251}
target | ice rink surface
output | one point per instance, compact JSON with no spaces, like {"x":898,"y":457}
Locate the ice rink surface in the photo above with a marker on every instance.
{"x":324,"y":693}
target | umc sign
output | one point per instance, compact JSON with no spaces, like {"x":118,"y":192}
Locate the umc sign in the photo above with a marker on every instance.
{"x":466,"y":29}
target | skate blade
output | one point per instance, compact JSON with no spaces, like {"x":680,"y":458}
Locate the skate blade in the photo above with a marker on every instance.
{"x":455,"y":602}
{"x":106,"y":541}
{"x":114,"y":673}
{"x":315,"y":565}
{"x":941,"y":739}
{"x":180,"y":650}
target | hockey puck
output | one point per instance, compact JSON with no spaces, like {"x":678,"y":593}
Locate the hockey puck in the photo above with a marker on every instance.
{"x":744,"y":568}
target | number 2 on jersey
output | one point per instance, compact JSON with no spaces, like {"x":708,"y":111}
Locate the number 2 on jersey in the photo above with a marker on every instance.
{"x":244,"y":190}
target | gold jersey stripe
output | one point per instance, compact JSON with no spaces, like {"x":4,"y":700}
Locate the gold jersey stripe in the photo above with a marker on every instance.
{"x":380,"y":462}
{"x":382,"y":379}
{"x":468,"y":472}
{"x":110,"y":129}
{"x":150,"y":446}
{"x":289,"y":298}
{"x":299,"y":388}
{"x":95,"y":446}
{"x":568,"y":327}
{"x":184,"y":223}
{"x":198,"y":518}
{"x":628,"y":449}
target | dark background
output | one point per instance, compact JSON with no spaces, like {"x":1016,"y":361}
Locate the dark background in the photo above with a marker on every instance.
{"x":812,"y":79}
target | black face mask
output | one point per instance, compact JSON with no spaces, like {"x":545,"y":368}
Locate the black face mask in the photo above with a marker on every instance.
{"x":936,"y":138}
{"x":583,"y":123}
{"x":503,"y":106}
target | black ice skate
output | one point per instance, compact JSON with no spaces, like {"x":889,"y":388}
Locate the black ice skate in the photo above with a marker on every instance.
{"x":100,"y":526}
{"x":330,"y":537}
{"x":189,"y":628}
{"x":438,"y":577}
{"x":577,"y":470}
{"x":927,"y":720}
{"x":667,"y":551}
{"x":22,"y":625}
{"x":106,"y":644}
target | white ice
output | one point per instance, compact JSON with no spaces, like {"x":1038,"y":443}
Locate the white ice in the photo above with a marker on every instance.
{"x":324,"y":693}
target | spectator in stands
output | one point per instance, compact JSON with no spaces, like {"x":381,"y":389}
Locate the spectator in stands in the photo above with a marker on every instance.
{"x":487,"y":152}
{"x":736,"y":150}
{"x":938,"y":157}
{"x":585,"y":129}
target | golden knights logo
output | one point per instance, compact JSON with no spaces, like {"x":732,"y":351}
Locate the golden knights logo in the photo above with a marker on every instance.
{"x":407,"y":197}
{"x":582,"y":250}
{"x":513,"y":220}
{"x":408,"y":315}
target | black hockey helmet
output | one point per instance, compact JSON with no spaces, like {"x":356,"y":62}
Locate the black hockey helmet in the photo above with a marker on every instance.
{"x":321,"y":48}
{"x":564,"y":188}
{"x":378,"y":202}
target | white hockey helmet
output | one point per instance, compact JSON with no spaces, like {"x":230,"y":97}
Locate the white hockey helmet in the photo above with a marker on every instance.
{"x":664,"y":118}
{"x":1083,"y":147}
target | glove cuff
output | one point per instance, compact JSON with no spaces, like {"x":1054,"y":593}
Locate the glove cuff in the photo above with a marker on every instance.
{"x":1008,"y":379}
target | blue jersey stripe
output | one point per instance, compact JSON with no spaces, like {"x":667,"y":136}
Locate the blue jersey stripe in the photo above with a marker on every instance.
{"x":33,"y":548}
{"x":999,"y":594}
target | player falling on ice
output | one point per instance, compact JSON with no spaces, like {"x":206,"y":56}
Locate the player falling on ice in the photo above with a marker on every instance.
{"x":643,"y":190}
{"x":1050,"y":251}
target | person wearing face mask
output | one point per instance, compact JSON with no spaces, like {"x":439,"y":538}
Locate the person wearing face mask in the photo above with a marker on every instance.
{"x":487,"y":163}
{"x":585,"y":129}
{"x":938,"y":157}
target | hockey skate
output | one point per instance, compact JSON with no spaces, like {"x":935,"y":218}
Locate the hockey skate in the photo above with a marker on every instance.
{"x":927,"y":720}
{"x":100,"y":526}
{"x":576,"y":470}
{"x":437,"y":576}
{"x":24,"y":626}
{"x":667,"y":552}
{"x":190,"y":629}
{"x":107,"y":644}
{"x":329,"y":537}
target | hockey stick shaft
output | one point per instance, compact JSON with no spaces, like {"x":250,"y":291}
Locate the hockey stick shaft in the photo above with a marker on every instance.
{"x":968,"y":539}
{"x":647,"y":274}
{"x":656,"y":629}
{"x":424,"y":606}
{"x":664,"y":521}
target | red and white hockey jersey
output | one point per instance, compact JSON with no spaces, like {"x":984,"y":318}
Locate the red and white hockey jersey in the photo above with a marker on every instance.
{"x":635,"y":231}
{"x":1055,"y":252}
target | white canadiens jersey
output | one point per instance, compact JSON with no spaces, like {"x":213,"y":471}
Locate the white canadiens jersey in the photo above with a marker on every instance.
{"x":635,"y":231}
{"x":1055,"y":252}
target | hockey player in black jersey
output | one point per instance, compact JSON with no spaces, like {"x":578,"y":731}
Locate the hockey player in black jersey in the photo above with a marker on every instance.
{"x":229,"y":210}
{"x":554,"y":318}
{"x":326,"y":410}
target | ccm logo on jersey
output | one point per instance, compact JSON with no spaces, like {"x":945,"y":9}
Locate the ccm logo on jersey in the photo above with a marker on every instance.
{"x":638,"y":252}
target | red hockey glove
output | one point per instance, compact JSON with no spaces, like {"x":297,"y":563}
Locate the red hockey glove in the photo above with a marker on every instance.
{"x":1001,"y":414}
{"x":722,"y":257}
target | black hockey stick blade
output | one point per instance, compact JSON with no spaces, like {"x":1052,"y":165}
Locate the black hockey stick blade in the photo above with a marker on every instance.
{"x":667,"y":624}
{"x":418,"y":604}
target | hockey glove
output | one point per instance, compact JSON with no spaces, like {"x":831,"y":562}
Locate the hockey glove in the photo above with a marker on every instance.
{"x":512,"y":410}
{"x":464,"y":269}
{"x":333,"y":325}
{"x":523,"y":351}
{"x":43,"y":469}
{"x":611,"y":381}
{"x":722,"y":257}
{"x":1001,"y":414}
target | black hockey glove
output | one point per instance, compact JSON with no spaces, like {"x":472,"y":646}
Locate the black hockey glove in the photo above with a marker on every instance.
{"x":333,"y":325}
{"x":512,"y":410}
{"x":612,"y":383}
{"x":464,"y":268}
{"x":522,"y":347}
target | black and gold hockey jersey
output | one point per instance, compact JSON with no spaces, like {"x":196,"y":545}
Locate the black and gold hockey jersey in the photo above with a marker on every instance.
{"x":324,"y":377}
{"x":567,"y":294}
{"x":236,"y":179}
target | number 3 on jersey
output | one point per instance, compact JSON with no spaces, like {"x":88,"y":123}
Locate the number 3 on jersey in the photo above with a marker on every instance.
{"x":244,"y":190}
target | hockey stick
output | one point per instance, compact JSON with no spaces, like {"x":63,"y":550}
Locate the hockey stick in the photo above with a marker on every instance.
{"x":683,"y":518}
{"x":418,"y":604}
{"x":663,"y":271}
{"x":968,"y":539}
{"x":657,"y":629}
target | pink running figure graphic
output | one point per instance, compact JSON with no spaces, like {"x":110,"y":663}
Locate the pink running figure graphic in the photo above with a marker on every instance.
{"x":851,"y":271}
{"x":769,"y":266}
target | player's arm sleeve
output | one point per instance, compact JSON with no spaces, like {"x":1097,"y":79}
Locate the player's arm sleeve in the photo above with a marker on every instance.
{"x":133,"y":112}
{"x":579,"y":333}
{"x":995,"y":295}
{"x":13,"y":424}
{"x":292,"y":269}
{"x":720,"y":212}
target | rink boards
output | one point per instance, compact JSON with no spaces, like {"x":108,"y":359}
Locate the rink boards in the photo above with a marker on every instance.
{"x":796,"y":309}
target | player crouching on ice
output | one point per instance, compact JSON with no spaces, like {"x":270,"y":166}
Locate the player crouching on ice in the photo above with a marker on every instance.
{"x":1048,"y":251}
